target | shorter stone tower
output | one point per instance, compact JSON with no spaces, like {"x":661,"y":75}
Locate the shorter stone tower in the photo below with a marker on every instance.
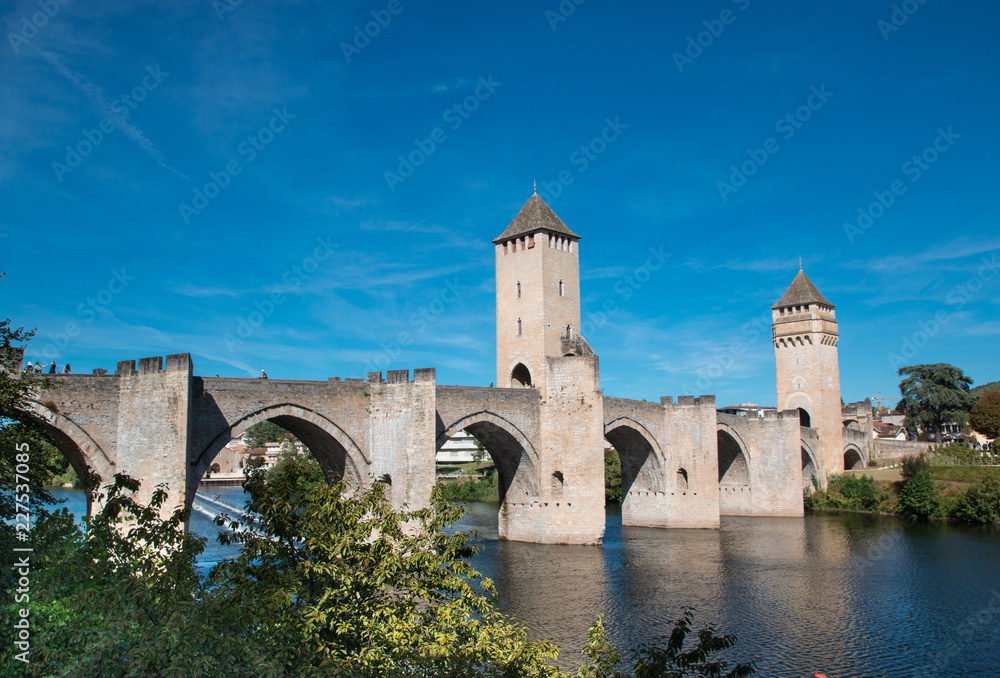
{"x":804,"y":330}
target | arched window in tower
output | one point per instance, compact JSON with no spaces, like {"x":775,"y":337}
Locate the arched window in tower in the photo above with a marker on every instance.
{"x":518,"y":327}
{"x":569,"y":331}
{"x":562,"y":289}
{"x":520,"y":376}
{"x":518,"y":289}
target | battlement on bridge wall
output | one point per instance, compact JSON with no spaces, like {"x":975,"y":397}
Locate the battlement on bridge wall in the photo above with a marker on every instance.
{"x":686,"y":402}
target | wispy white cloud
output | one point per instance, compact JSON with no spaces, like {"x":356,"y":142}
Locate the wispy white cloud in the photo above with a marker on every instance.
{"x":96,"y":95}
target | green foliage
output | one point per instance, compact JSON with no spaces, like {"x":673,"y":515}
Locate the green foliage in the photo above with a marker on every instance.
{"x":983,"y":389}
{"x":126,"y":600}
{"x":956,"y":453}
{"x":480,"y":455}
{"x":469,"y":489}
{"x":265,"y":432}
{"x":913,"y":465}
{"x":919,"y":495}
{"x":934,"y":395}
{"x":338,"y":586}
{"x":985,"y":415}
{"x":980,"y":503}
{"x":671,"y":656}
{"x":852,"y":493}
{"x":328,"y":583}
{"x":965,"y":474}
{"x":612,"y":477}
{"x":297,"y":469}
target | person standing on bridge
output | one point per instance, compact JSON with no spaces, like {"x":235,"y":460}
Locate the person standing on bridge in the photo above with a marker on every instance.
{"x":52,"y":367}
{"x":29,"y":368}
{"x":67,"y":370}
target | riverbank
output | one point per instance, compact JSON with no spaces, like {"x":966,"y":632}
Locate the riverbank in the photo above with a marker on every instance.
{"x":962,"y":493}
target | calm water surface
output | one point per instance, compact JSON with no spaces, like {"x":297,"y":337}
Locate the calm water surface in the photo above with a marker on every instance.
{"x":847,"y":595}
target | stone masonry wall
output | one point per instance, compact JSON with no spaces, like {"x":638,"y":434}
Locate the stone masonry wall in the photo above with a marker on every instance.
{"x":401,"y":426}
{"x":692,"y":445}
{"x":153,"y":425}
{"x":571,"y":507}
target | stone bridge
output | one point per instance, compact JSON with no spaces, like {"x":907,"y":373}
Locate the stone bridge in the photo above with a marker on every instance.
{"x":683,"y":464}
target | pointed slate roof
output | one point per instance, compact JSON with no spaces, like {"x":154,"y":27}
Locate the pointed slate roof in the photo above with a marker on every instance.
{"x":533,"y":216}
{"x":801,"y":292}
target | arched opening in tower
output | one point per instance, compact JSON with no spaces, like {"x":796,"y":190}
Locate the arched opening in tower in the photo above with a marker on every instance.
{"x":520,"y":376}
{"x":804,"y":418}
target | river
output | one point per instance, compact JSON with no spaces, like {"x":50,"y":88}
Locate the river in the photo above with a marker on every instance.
{"x":847,"y":595}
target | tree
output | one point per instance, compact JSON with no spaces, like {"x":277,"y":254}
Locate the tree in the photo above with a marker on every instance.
{"x":934,"y":395}
{"x":329,"y":582}
{"x":298,"y":469}
{"x":612,"y":476}
{"x":669,"y":656}
{"x":981,"y":503}
{"x":920,"y":495}
{"x":265,"y":432}
{"x":985,"y":415}
{"x":480,"y":455}
{"x":26,"y":459}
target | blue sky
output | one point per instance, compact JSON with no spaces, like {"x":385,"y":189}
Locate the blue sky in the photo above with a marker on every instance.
{"x":313,"y":249}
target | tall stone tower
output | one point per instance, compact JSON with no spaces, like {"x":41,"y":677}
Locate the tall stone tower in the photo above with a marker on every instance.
{"x":804,"y":329}
{"x":539,"y":347}
{"x":537,"y":295}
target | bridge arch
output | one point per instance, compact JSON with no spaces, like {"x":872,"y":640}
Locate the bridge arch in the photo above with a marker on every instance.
{"x":854,"y":457}
{"x":643,"y":464}
{"x":734,"y":457}
{"x":512,"y":453}
{"x":810,"y":467}
{"x":337,"y":453}
{"x":82,"y":451}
